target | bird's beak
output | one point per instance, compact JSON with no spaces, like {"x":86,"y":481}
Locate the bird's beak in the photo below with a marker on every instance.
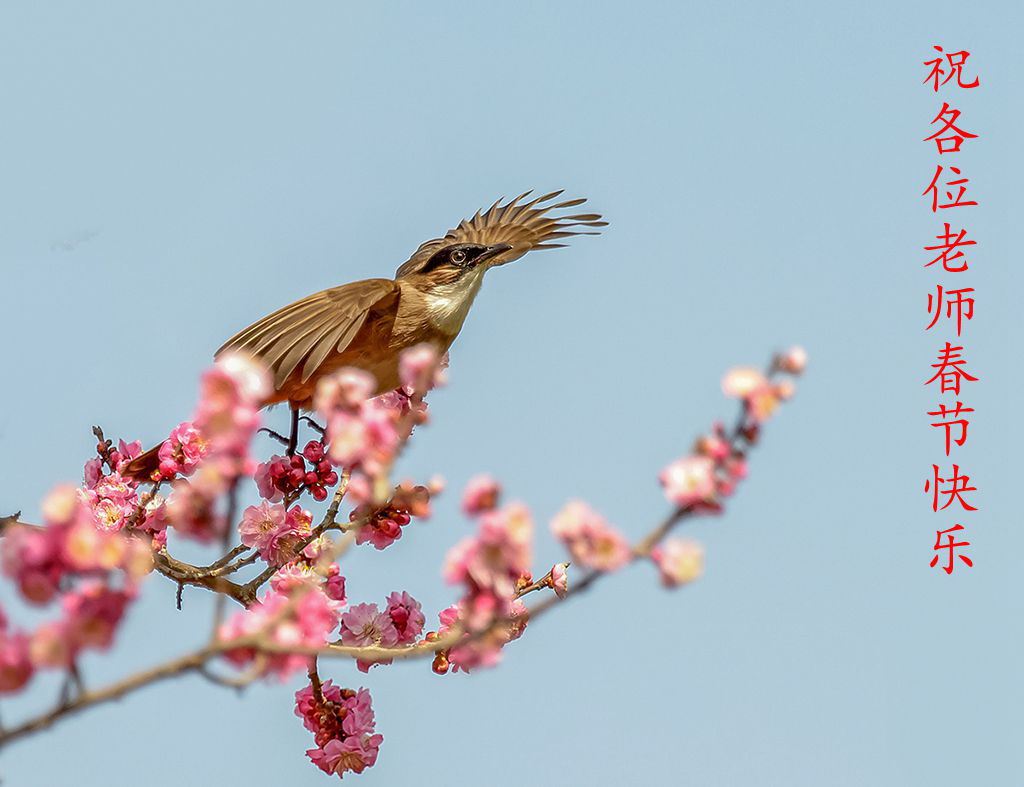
{"x":493,"y":251}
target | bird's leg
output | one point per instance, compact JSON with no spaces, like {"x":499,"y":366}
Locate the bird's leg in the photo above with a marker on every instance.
{"x":293,"y":440}
{"x":314,"y":425}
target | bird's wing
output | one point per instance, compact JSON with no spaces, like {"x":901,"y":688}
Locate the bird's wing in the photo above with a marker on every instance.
{"x":309,"y":330}
{"x":525,"y":226}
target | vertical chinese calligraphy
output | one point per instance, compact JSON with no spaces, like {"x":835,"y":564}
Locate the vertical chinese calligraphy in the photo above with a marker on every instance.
{"x":950,"y":304}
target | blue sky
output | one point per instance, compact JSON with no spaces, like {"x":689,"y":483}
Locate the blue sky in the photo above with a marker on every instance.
{"x":173,"y":171}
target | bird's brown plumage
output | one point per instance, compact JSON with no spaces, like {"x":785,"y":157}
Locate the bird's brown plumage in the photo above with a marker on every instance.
{"x":349,"y":325}
{"x":367,"y":324}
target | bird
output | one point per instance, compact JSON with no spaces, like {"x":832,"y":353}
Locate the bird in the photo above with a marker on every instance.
{"x":368,"y":324}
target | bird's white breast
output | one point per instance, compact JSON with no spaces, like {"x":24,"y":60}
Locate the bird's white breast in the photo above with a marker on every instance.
{"x":448,"y":305}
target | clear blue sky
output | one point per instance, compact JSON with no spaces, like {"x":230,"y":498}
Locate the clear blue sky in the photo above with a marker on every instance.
{"x":171,"y":171}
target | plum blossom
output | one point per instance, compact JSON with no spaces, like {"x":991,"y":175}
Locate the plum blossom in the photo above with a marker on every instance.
{"x":72,"y":542}
{"x":112,"y":500}
{"x":689,"y":480}
{"x":289,"y":475}
{"x":231,"y":394}
{"x":559,"y":579}
{"x":35,"y":560}
{"x":482,"y":494}
{"x":346,"y":390}
{"x":383,"y":526}
{"x":420,"y":369}
{"x":273,"y":532}
{"x":15,"y":665}
{"x":191,"y":509}
{"x":494,"y":559}
{"x":366,"y":433}
{"x":365,"y":625}
{"x":760,"y":395}
{"x":793,"y":360}
{"x":478,"y":650}
{"x":303,"y":617}
{"x":679,"y":560}
{"x":591,"y":541}
{"x":181,"y":453}
{"x":353,"y":754}
{"x":406,"y":617}
{"x":92,"y":614}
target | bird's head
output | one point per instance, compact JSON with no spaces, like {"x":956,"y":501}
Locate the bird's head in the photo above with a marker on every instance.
{"x":451,"y":263}
{"x":501,"y":234}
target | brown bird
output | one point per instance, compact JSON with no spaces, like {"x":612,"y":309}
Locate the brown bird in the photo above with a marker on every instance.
{"x":367,"y":324}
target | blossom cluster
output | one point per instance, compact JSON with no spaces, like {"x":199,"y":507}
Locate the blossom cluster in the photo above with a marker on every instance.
{"x":342,"y":724}
{"x":275,"y":532}
{"x":301,"y":615}
{"x":399,"y":623}
{"x":100,"y":539}
{"x":489,"y":566}
{"x":75,"y":544}
{"x":591,"y":541}
{"x":288,"y":476}
{"x":226,"y":418}
{"x":364,"y":431}
{"x":76,"y":540}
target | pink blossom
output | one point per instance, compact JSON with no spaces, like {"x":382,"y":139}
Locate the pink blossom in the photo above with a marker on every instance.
{"x":306,"y":707}
{"x":757,"y":392}
{"x":86,"y":547}
{"x":306,"y":622}
{"x":383,"y":528}
{"x":679,"y":561}
{"x":793,"y":360}
{"x":125,"y":453}
{"x":785,"y":390}
{"x":475,"y":651}
{"x":349,"y":439}
{"x":62,"y":505}
{"x":182,"y":451}
{"x":92,"y":614}
{"x":93,"y":472}
{"x":346,"y":389}
{"x":35,"y":560}
{"x":589,"y":538}
{"x":499,"y":553}
{"x":265,"y":481}
{"x":742,"y":381}
{"x":15,"y":666}
{"x":341,"y":714}
{"x":406,"y":616}
{"x":560,"y":579}
{"x":190,"y":508}
{"x":51,"y":646}
{"x":365,"y":624}
{"x":353,"y":754}
{"x":689,"y":480}
{"x":112,"y":500}
{"x":482,"y":494}
{"x":273,"y":532}
{"x":231,"y":393}
{"x":342,"y":724}
{"x":154,"y":516}
{"x":334,"y":586}
{"x":417,"y":368}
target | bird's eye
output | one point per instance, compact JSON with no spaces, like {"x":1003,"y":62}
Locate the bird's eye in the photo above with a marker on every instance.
{"x":458,"y":256}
